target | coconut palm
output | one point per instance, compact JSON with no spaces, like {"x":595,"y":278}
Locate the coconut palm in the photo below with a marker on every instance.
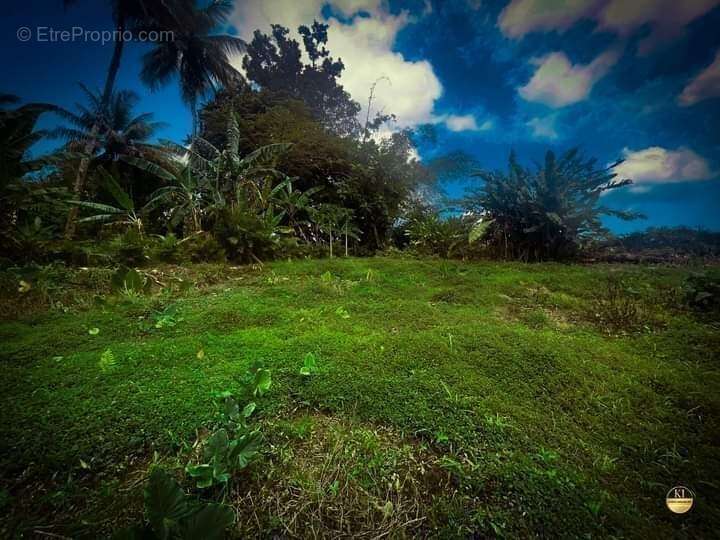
{"x":117,"y":130}
{"x":127,"y":14}
{"x":198,"y":57}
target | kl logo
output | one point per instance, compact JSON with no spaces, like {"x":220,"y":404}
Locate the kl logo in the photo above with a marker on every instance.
{"x":679,"y":499}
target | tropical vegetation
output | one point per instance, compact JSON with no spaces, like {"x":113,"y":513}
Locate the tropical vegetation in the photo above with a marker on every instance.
{"x":279,"y":327}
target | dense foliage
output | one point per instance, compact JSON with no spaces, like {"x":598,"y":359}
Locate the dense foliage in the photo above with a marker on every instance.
{"x":278,"y":164}
{"x":545,"y":213}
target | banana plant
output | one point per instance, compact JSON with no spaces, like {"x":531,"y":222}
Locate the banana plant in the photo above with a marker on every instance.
{"x":187,"y":195}
{"x":124,"y":213}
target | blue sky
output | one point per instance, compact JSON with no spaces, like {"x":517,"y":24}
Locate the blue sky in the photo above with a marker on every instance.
{"x":639,"y":80}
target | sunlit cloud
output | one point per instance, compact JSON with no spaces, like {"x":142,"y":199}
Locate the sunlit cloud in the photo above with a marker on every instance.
{"x":666,"y":19}
{"x":466,"y":122}
{"x":558,"y":83}
{"x":657,"y":165}
{"x":705,"y":86}
{"x":365,"y":45}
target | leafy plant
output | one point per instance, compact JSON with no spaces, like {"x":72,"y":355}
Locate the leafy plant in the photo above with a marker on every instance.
{"x":166,"y":318}
{"x":262,"y":381}
{"x":107,"y":361}
{"x":124,"y":213}
{"x":171,"y":514}
{"x":224,"y":455}
{"x":702,"y":292}
{"x":129,"y":281}
{"x":546,"y":213}
{"x":309,"y":365}
{"x":231,"y":448}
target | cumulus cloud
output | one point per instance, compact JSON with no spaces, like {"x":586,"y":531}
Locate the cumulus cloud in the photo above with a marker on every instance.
{"x":657,"y":165}
{"x":365,"y":46}
{"x":666,"y":18}
{"x":705,"y":86}
{"x":557,"y":82}
{"x":543,"y":128}
{"x":466,"y":122}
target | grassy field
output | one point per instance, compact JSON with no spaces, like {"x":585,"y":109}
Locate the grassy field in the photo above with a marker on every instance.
{"x":449,"y":399}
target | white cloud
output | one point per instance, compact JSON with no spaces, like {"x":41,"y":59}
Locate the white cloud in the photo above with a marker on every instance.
{"x":666,"y":18}
{"x":705,"y":86}
{"x":657,"y":165}
{"x":543,"y":128}
{"x":466,"y":122}
{"x":558,"y":83}
{"x":365,"y":47}
{"x":521,"y":17}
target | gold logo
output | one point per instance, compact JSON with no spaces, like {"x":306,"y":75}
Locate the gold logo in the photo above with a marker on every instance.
{"x":679,"y":499}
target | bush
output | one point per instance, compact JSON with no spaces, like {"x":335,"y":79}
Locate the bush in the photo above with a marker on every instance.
{"x":202,"y":247}
{"x":246,"y":237}
{"x":129,"y":248}
{"x":617,"y":308}
{"x":430,"y":234}
{"x":167,"y":248}
{"x":702,"y":292}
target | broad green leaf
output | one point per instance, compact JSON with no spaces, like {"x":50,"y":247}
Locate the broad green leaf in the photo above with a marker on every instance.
{"x":261,"y":382}
{"x":118,"y":193}
{"x":249,"y":409}
{"x":165,"y":503}
{"x":217,"y":445}
{"x":246,"y":448}
{"x":478,"y":230}
{"x":208,"y":524}
{"x":231,"y":409}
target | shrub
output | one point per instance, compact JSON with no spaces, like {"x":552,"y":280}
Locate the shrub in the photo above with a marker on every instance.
{"x":702,"y":292}
{"x":167,"y":248}
{"x":129,"y":248}
{"x":617,"y":308}
{"x":246,"y":237}
{"x":202,"y":247}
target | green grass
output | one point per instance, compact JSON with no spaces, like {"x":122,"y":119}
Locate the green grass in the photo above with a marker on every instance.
{"x":449,"y":399}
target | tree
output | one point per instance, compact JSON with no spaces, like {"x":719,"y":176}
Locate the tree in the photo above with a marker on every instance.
{"x":118,"y":131}
{"x":17,"y":135}
{"x":274,"y":63}
{"x":126,"y":13}
{"x":186,"y":197}
{"x":21,"y":201}
{"x":546,"y":213}
{"x":198,"y":57}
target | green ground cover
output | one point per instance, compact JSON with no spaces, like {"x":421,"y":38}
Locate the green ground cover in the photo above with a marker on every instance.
{"x":448,"y":399}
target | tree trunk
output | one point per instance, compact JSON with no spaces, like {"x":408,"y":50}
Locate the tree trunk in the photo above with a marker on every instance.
{"x":81,"y":176}
{"x":331,"y":243}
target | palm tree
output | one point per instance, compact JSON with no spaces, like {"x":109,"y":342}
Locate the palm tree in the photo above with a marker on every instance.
{"x":199,"y":58}
{"x":17,"y":135}
{"x":126,"y":13}
{"x":117,"y":130}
